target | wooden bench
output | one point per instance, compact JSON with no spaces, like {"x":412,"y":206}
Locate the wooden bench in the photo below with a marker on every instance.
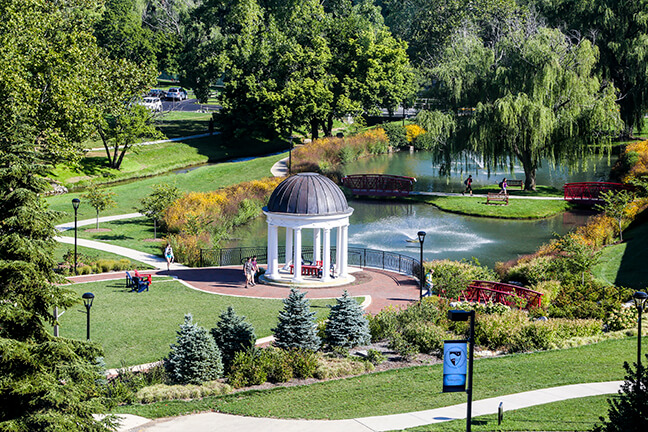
{"x":308,"y":270}
{"x":516,"y":183}
{"x":497,"y":198}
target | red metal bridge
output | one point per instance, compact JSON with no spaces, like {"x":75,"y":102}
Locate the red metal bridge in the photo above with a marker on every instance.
{"x":379,"y":184}
{"x":589,"y":193}
{"x":498,"y":292}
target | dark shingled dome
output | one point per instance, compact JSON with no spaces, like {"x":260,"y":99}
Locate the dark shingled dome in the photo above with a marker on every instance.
{"x":309,"y":194}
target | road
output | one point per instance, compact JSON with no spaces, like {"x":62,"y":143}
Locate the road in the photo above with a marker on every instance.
{"x":187,"y":105}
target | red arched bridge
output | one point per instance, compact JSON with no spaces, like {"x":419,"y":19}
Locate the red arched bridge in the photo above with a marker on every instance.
{"x":589,"y":193}
{"x":379,"y":184}
{"x":499,"y":292}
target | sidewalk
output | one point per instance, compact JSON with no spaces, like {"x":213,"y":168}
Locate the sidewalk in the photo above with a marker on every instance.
{"x":213,"y":422}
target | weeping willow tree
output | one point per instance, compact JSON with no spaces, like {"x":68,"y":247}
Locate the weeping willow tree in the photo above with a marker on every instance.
{"x":529,"y":95}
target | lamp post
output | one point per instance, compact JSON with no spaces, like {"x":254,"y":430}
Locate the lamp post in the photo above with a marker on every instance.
{"x":421,"y":238}
{"x":461,"y":315}
{"x":639,"y":301}
{"x":87,"y":301}
{"x":290,"y":155}
{"x":75,"y":204}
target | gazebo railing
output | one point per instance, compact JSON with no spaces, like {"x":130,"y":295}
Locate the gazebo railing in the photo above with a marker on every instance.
{"x":358,"y":257}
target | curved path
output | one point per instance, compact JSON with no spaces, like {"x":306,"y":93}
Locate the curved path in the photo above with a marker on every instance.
{"x":216,"y":422}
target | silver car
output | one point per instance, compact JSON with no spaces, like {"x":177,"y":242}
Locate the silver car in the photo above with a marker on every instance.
{"x":152,"y":103}
{"x":177,"y":93}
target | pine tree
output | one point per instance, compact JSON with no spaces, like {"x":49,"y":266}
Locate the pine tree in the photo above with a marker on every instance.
{"x":232,"y":334}
{"x":296,"y":328}
{"x":195,"y":357}
{"x":629,"y":411}
{"x":46,"y":383}
{"x":347,"y":326}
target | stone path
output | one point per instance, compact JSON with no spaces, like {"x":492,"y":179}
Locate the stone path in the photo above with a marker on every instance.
{"x":216,"y":422}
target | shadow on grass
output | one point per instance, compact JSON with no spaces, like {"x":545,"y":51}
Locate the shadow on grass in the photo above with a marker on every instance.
{"x":633,"y":272}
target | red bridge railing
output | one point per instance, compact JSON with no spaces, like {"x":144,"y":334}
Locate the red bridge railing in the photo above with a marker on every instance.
{"x":590,"y":192}
{"x":499,"y":292}
{"x":379,"y":184}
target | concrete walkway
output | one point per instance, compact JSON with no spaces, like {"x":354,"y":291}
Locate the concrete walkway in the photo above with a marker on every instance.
{"x":280,"y":168}
{"x":213,"y":422}
{"x":162,"y":141}
{"x":70,"y":225}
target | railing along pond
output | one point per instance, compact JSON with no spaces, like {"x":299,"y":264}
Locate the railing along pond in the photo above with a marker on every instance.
{"x":358,"y":257}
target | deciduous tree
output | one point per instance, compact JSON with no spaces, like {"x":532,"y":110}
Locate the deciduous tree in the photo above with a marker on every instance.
{"x":100,"y":199}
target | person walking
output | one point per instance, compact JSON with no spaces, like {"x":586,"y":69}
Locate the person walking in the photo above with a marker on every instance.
{"x":255,"y":269}
{"x":503,"y":185}
{"x":168,"y":254}
{"x":468,"y":183}
{"x":247,"y":270}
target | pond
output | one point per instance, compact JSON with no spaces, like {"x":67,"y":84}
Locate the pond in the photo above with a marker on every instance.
{"x":388,"y":224}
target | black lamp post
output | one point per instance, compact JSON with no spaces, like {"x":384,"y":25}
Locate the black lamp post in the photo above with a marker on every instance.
{"x":421,"y":237}
{"x":75,"y":204}
{"x":290,"y":155}
{"x":460,"y":315}
{"x":639,"y":301}
{"x":87,"y":301}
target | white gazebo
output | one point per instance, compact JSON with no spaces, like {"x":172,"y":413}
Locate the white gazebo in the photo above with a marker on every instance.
{"x":308,"y":202}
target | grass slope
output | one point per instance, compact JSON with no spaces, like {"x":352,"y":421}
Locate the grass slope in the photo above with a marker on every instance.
{"x":414,"y":389}
{"x":579,"y":414}
{"x":138,"y":328}
{"x":203,"y":179}
{"x":94,"y":254}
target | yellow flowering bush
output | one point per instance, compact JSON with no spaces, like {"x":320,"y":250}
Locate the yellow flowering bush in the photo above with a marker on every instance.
{"x":413,"y":131}
{"x":636,"y":157}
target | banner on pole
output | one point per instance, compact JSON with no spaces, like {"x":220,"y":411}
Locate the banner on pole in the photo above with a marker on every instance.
{"x":455,"y":364}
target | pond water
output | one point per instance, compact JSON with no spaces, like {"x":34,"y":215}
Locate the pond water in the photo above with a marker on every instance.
{"x":387,"y":225}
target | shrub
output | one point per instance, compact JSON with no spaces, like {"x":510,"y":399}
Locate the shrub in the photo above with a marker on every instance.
{"x":232,"y":334}
{"x":347,"y":327}
{"x":396,"y":134}
{"x":548,"y":334}
{"x":401,"y":346}
{"x":279,"y":368}
{"x":195,"y":357}
{"x":412,"y":132}
{"x":620,"y":318}
{"x":549,"y":290}
{"x":375,"y":357}
{"x":296,"y":327}
{"x":163,"y":392}
{"x":249,"y":367}
{"x":340,"y":367}
{"x":451,"y":277}
{"x":426,"y":337}
{"x":531,"y":272}
{"x":304,"y":362}
{"x":498,"y":331}
{"x":384,"y":323}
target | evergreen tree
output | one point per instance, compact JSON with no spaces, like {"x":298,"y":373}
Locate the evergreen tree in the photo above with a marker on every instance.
{"x":195,"y":357}
{"x":629,"y":411}
{"x":347,"y":326}
{"x":296,"y":328}
{"x":232,"y":334}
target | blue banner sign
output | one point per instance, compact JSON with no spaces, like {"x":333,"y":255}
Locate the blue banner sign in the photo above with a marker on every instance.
{"x":455,"y":365}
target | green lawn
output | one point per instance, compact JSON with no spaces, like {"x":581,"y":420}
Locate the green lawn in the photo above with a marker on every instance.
{"x":573,"y":414}
{"x":203,"y":179}
{"x":623,"y":264}
{"x":136,"y":328}
{"x":516,"y":208}
{"x":93,"y":254}
{"x":134,"y":233}
{"x":414,"y":389}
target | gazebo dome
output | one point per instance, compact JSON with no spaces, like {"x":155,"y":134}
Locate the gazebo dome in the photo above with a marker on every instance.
{"x":308,"y":194}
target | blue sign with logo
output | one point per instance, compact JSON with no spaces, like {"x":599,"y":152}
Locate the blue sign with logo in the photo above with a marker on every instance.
{"x":455,"y":365}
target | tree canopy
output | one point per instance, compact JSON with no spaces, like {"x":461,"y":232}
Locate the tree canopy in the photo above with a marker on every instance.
{"x":531,"y":95}
{"x":294,"y":66}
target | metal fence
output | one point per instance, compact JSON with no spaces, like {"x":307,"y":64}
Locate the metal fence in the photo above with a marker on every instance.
{"x":358,"y":257}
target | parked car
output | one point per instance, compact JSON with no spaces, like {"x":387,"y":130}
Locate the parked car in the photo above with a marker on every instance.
{"x":158,"y":93}
{"x":176,"y":93}
{"x":152,"y":103}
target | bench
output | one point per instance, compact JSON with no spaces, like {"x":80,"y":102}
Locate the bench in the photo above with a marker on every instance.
{"x":497,"y":198}
{"x":516,"y":183}
{"x":139,"y":282}
{"x":308,"y":270}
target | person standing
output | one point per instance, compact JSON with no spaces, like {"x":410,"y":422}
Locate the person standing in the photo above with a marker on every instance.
{"x":468,"y":183}
{"x":168,"y":254}
{"x":255,"y":269}
{"x":247,"y":270}
{"x":503,"y":185}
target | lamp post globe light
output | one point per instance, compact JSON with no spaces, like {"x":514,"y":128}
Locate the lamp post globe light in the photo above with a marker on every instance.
{"x":421,"y":238}
{"x":87,"y":302}
{"x":75,"y":204}
{"x":290,"y":148}
{"x":639,"y":298}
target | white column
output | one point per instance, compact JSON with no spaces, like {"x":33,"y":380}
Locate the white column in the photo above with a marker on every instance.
{"x":317,"y":246}
{"x":289,"y":248}
{"x":345,"y":251}
{"x":273,"y":252}
{"x":326,"y":262}
{"x":297,"y":276}
{"x":338,"y":252}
